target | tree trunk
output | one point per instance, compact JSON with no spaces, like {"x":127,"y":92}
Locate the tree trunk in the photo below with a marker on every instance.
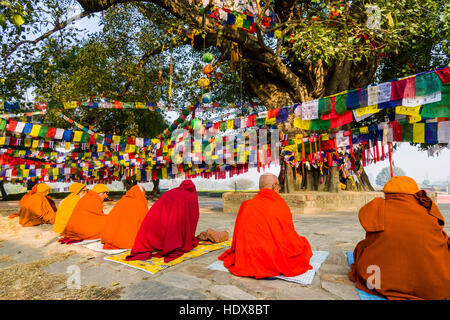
{"x":364,"y":183}
{"x":266,"y":75}
{"x":156,"y":191}
{"x":3,"y":191}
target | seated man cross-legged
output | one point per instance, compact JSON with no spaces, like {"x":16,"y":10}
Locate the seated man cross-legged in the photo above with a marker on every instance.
{"x":265,"y":243}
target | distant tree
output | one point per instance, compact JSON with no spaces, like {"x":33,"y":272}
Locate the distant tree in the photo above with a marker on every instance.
{"x":426,"y":182}
{"x":385,"y":175}
{"x":241,"y":184}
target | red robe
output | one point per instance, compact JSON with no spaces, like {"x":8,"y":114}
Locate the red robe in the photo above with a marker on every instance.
{"x":265,"y":243}
{"x":168,"y":229}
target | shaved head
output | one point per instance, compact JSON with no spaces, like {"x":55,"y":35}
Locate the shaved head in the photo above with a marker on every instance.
{"x":269,"y":181}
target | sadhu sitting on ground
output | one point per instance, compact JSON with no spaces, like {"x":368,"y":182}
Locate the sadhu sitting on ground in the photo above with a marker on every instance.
{"x":65,"y":208}
{"x":124,"y":219}
{"x":265,"y":243}
{"x":38,"y":208}
{"x":168,"y":229}
{"x":87,"y":221}
{"x":406,"y":253}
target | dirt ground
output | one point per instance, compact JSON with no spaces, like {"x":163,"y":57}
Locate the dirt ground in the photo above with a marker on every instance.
{"x":34,"y":266}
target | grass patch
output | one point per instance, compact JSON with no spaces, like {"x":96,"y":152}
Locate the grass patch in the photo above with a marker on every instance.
{"x":28,"y":281}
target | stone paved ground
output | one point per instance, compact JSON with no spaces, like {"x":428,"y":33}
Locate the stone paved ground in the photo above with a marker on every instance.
{"x":335,"y":232}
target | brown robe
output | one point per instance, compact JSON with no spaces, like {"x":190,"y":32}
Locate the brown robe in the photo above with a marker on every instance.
{"x":406,"y":240}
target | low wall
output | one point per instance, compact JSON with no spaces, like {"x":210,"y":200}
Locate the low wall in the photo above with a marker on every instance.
{"x":311,"y":201}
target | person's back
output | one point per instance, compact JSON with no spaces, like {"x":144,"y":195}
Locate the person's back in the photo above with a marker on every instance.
{"x":37,"y":209}
{"x":124,"y":219}
{"x":87,"y":221}
{"x":265,"y":243}
{"x":406,"y":241}
{"x":168,"y":229}
{"x":67,"y":205}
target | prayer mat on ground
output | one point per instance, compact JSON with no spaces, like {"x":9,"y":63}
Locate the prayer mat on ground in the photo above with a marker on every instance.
{"x":363,"y":295}
{"x":306,"y":278}
{"x":98,"y":247}
{"x":155,"y":265}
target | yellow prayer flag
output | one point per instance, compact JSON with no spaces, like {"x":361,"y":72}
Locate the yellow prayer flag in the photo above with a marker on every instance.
{"x":55,"y":171}
{"x":27,"y":143}
{"x":2,"y":140}
{"x":77,"y":136}
{"x":239,"y":21}
{"x":367,"y":110}
{"x":409,"y":111}
{"x":277,"y":34}
{"x":67,"y":145}
{"x":139,"y":105}
{"x":364,"y":130}
{"x":415,"y":118}
{"x":324,"y":137}
{"x":419,"y":132}
{"x":116,"y":139}
{"x":69,"y":105}
{"x":230,"y":124}
{"x":99,"y":148}
{"x":130,"y":148}
{"x":302,"y":124}
{"x":26,"y":172}
{"x":35,"y":144}
{"x":35,"y":130}
{"x":271,"y":121}
{"x":164,"y":173}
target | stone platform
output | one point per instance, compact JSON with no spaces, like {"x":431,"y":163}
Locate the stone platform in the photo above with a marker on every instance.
{"x":311,"y":201}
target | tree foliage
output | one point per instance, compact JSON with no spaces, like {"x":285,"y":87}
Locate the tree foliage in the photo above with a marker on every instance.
{"x":385,"y":175}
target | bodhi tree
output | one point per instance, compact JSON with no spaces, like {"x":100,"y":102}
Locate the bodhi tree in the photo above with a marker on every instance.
{"x":321,"y":47}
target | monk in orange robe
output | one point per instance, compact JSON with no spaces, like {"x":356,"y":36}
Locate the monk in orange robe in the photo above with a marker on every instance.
{"x":37,"y":209}
{"x":406,"y":253}
{"x":24,"y":199}
{"x":88,"y":220}
{"x":124,"y":219}
{"x":265,"y":243}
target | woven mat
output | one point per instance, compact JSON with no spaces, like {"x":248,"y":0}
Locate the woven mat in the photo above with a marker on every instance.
{"x":155,"y":265}
{"x":305,"y":279}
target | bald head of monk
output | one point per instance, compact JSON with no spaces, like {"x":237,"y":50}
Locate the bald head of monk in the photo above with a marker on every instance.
{"x":269,"y":181}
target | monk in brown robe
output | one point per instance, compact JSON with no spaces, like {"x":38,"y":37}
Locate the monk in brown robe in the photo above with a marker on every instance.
{"x":124,"y":219}
{"x":406,"y":253}
{"x":38,"y":208}
{"x":87,"y":221}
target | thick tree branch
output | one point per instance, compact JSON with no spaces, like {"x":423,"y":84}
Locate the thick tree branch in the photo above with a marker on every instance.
{"x":58,"y":26}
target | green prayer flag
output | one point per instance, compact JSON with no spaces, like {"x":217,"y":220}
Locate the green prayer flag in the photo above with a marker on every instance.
{"x":223,"y":126}
{"x":407,"y":132}
{"x":428,"y":83}
{"x":325,"y":106}
{"x":3,"y":124}
{"x":43,"y":132}
{"x":340,"y":104}
{"x":84,"y":137}
{"x":128,"y":105}
{"x":440,"y":108}
{"x":320,"y":125}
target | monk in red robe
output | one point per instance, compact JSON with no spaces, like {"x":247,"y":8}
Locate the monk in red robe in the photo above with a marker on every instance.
{"x":38,"y":208}
{"x":168,"y":229}
{"x":87,"y":221}
{"x":406,"y":253}
{"x":124,"y":219}
{"x":265,"y":243}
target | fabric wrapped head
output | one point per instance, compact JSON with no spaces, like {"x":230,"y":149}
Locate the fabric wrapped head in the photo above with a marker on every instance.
{"x":401,"y":184}
{"x":42,"y":187}
{"x":99,"y":188}
{"x":76,"y":187}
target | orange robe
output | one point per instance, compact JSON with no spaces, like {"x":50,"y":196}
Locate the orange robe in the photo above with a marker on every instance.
{"x":406,"y":240}
{"x":124,"y":220}
{"x":23,"y":200}
{"x":87,"y":220}
{"x":36,"y":210}
{"x":265,"y":243}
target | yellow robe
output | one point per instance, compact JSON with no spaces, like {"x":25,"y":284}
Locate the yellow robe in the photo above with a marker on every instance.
{"x":64,"y":212}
